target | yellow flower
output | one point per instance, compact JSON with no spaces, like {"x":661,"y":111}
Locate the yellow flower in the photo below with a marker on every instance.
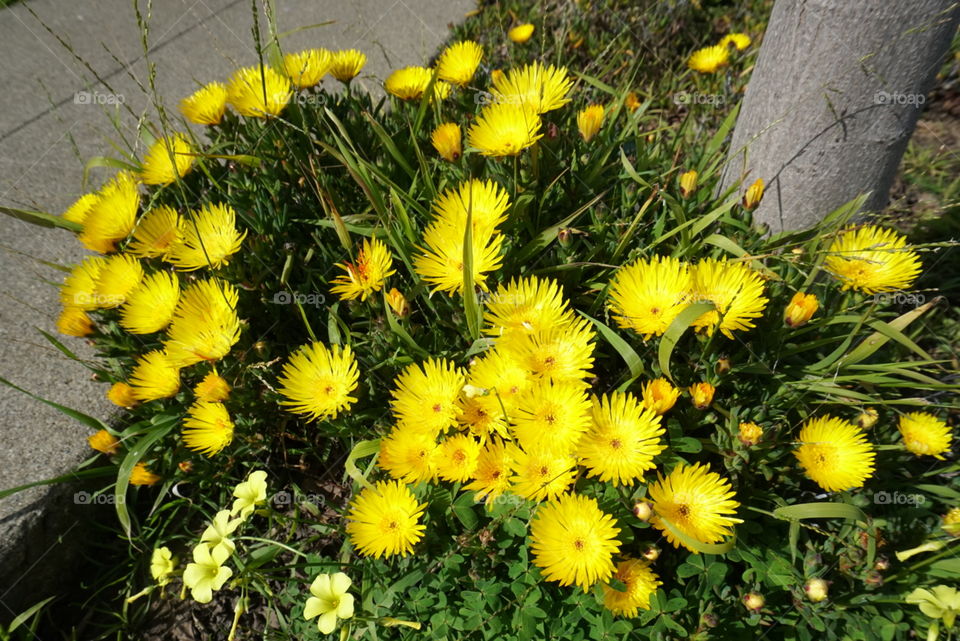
{"x":140,"y":475}
{"x":647,"y":295}
{"x":552,"y":416}
{"x":446,"y":140}
{"x":79,"y":287}
{"x":942,"y":602}
{"x":73,"y":321}
{"x":688,"y":183}
{"x":154,"y":377}
{"x":384,"y":520}
{"x":535,"y":87}
{"x":739,"y":40}
{"x":521,"y":33}
{"x":162,"y":565}
{"x":249,"y":494}
{"x":504,"y":129}
{"x":640,"y":581}
{"x":483,"y":417}
{"x":425,"y":395}
{"x":632,"y":102}
{"x":561,"y":354}
{"x":872,"y":259}
{"x":119,"y":277}
{"x":206,"y":105}
{"x":754,"y":195}
{"x":156,"y":234}
{"x":80,"y":209}
{"x":207,"y":428}
{"x":623,"y":438}
{"x":208,"y":238}
{"x":345,"y":65}
{"x":374,"y":264}
{"x":258,"y":92}
{"x":318,"y":381}
{"x":457,"y":458}
{"x":527,"y":305}
{"x":589,"y":121}
{"x":491,"y":476}
{"x":207,"y":573}
{"x":695,"y":501}
{"x":408,"y":83}
{"x":205,"y":325}
{"x":104,"y":442}
{"x":951,"y":522}
{"x":149,"y":308}
{"x":409,"y":454}
{"x":750,"y":433}
{"x":541,"y":474}
{"x":307,"y":68}
{"x":458,"y":62}
{"x":709,"y":59}
{"x":167,"y":160}
{"x":573,"y":541}
{"x":331,"y":600}
{"x":659,"y":396}
{"x":800,"y":309}
{"x":212,"y":389}
{"x":701,"y":394}
{"x":502,"y":380}
{"x":835,"y":453}
{"x":122,"y":395}
{"x":868,"y":418}
{"x":217,"y":534}
{"x":111,"y":218}
{"x":924,"y":434}
{"x":735,"y":290}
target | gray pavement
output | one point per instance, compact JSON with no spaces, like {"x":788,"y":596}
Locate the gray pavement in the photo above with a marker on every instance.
{"x":46,"y":136}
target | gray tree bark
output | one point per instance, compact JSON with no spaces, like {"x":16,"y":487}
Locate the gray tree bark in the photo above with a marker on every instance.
{"x":835,"y":95}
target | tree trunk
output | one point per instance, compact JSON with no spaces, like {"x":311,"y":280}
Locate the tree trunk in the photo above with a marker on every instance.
{"x":835,"y":95}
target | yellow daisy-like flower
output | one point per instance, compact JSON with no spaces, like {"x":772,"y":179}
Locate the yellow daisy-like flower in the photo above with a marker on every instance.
{"x":738,"y":40}
{"x":446,"y":139}
{"x":410,"y":83}
{"x":491,"y":476}
{"x":346,"y":64}
{"x":552,"y":416}
{"x":111,"y":218}
{"x":104,"y":442}
{"x":307,"y":68}
{"x":458,"y":63}
{"x":385,"y":520}
{"x":735,"y":290}
{"x":207,"y":239}
{"x":561,"y":354}
{"x":541,"y":474}
{"x":709,"y":59}
{"x":640,"y":581}
{"x":80,"y":209}
{"x":659,"y":396}
{"x":318,"y":381}
{"x":648,"y":294}
{"x":409,"y":454}
{"x":206,"y":105}
{"x":154,"y":376}
{"x":527,"y":305}
{"x":119,"y":277}
{"x":835,"y":453}
{"x":73,"y":321}
{"x":749,"y":433}
{"x":535,"y":87}
{"x":924,"y":434}
{"x":486,"y":202}
{"x":212,"y":389}
{"x":79,"y":287}
{"x":425,"y":395}
{"x":457,"y":458}
{"x":521,"y":33}
{"x":122,"y":395}
{"x":167,"y":160}
{"x":205,"y":324}
{"x":573,"y":541}
{"x":150,"y":307}
{"x":156,"y":234}
{"x":483,"y":417}
{"x":258,"y":92}
{"x":504,"y":129}
{"x":622,"y":440}
{"x":141,"y":475}
{"x":695,"y":501}
{"x":374,"y":264}
{"x":207,"y":428}
{"x":502,"y":380}
{"x":871,"y":259}
{"x":589,"y":121}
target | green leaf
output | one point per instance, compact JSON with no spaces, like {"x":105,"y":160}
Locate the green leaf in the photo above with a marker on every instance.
{"x":887,"y":331}
{"x":627,"y":353}
{"x":41,"y":219}
{"x":672,"y":336}
{"x":825,"y":510}
{"x":463,"y":508}
{"x":22,"y":618}
{"x":94,"y":472}
{"x":697,"y":546}
{"x":400,"y":331}
{"x":360,"y":450}
{"x":133,"y":456}
{"x":471,"y":307}
{"x":90,"y":421}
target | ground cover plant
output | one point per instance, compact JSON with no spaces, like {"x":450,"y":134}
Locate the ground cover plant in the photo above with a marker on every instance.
{"x":490,"y":357}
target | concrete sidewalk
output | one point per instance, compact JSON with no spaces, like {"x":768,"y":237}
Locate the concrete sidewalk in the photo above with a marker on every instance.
{"x":55,"y":51}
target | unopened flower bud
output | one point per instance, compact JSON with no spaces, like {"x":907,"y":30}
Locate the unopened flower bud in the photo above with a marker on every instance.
{"x":565,"y":237}
{"x":881,"y":565}
{"x":750,"y":433}
{"x":185,"y":466}
{"x":643,"y":511}
{"x":651,"y":553}
{"x":723,"y":366}
{"x":688,"y":183}
{"x":702,"y":395}
{"x":816,"y":589}
{"x":398,"y":303}
{"x":868,"y":418}
{"x":632,"y":102}
{"x":951,"y":522}
{"x":709,"y":620}
{"x":754,"y":194}
{"x":800,"y":309}
{"x":753,"y":601}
